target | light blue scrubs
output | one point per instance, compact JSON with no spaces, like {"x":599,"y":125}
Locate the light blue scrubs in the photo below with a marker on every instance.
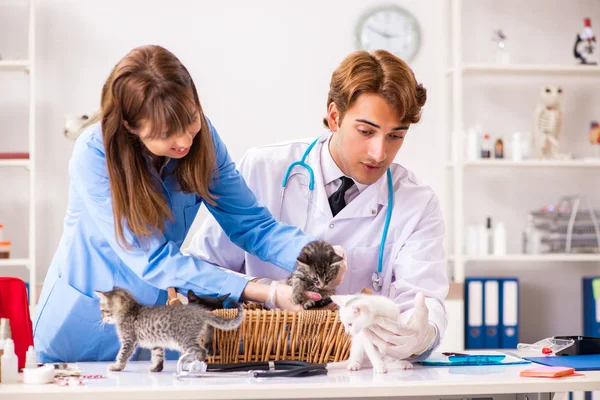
{"x":67,"y":324}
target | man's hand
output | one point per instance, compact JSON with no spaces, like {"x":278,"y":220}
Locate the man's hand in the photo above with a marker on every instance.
{"x":339,"y":250}
{"x":400,"y":341}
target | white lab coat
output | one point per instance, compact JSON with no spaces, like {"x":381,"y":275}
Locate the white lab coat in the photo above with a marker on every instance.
{"x":414,"y":258}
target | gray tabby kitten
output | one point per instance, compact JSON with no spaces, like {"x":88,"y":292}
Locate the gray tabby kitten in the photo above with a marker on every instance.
{"x":178,"y":327}
{"x":317,"y":267}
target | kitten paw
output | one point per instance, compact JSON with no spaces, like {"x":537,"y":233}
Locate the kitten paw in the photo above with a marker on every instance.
{"x":380,"y":369}
{"x":309,"y":304}
{"x":401,"y":364}
{"x":116,"y":367}
{"x":353,"y":366}
{"x":157,"y":367}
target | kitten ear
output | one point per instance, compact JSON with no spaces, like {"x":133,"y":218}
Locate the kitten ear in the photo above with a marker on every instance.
{"x":101,"y":295}
{"x":191,"y":295}
{"x":302,"y":265}
{"x":339,"y":299}
{"x":224,"y":297}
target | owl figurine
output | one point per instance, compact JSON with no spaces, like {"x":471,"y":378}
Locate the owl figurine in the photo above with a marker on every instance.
{"x":547,"y":124}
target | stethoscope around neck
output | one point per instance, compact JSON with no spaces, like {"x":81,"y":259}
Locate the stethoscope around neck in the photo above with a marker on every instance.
{"x":376,"y":277}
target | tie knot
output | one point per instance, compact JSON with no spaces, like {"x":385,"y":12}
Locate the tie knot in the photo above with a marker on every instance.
{"x":346,"y":183}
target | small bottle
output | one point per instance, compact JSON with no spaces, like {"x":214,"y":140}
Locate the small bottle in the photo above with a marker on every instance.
{"x":499,"y":239}
{"x":490,"y":236}
{"x":516,"y":147}
{"x":499,"y":149}
{"x":10,"y":369}
{"x":30,"y":358}
{"x":485,"y":146}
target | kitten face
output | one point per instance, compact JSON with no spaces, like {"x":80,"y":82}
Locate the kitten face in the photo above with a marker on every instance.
{"x":211,"y":303}
{"x":355,"y":314}
{"x":319,"y":263}
{"x":114,"y":304}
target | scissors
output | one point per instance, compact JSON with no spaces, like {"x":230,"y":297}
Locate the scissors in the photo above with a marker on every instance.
{"x":260,"y":369}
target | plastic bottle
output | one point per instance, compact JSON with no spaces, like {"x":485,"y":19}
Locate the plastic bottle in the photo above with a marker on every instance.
{"x":490,"y":236}
{"x":499,"y":149}
{"x":517,"y":147}
{"x":10,"y":369}
{"x":30,"y":358}
{"x":499,"y":239}
{"x":485,"y":146}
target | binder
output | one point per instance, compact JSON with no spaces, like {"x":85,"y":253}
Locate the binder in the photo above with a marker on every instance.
{"x":509,"y":313}
{"x":491,"y":313}
{"x":474,"y":335}
{"x":591,"y":307}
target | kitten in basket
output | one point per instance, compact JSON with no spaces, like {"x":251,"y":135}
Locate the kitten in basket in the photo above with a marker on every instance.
{"x":177,"y":327}
{"x":317,"y":268}
{"x":357,"y":313}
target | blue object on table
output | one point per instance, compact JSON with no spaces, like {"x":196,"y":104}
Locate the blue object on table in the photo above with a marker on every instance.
{"x":477,"y":359}
{"x":439,"y":360}
{"x":580,"y":363}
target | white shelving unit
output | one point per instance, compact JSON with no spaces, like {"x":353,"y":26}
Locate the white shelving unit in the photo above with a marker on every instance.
{"x":28,"y":67}
{"x":459,"y":168}
{"x":458,"y":165}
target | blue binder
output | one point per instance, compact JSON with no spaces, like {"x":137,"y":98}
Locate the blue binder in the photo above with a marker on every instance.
{"x":474,"y":334}
{"x":491,"y":313}
{"x":591,"y":307}
{"x":580,"y":363}
{"x":509,"y":313}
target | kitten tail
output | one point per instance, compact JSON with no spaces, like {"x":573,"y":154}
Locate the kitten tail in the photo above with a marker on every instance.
{"x":227,"y":324}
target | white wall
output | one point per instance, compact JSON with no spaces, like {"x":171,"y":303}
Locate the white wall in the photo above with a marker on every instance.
{"x":262,"y":69}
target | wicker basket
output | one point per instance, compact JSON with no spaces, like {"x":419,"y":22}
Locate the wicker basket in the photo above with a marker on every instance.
{"x":268,"y":335}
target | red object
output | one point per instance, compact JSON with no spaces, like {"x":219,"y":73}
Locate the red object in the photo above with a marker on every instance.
{"x":546,"y":351}
{"x":587,"y":22}
{"x":14,"y":156}
{"x":13,"y":305}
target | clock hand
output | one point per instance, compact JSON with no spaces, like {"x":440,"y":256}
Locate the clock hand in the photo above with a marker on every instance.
{"x":384,"y":34}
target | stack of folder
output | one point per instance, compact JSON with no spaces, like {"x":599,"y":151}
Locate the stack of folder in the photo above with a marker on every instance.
{"x":591,"y":307}
{"x":491,"y":313}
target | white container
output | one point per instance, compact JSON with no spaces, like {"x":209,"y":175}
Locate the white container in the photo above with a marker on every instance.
{"x":517,"y":147}
{"x":10,"y":369}
{"x":499,"y":239}
{"x":472,"y":145}
{"x":38,"y":376}
{"x":30,"y":358}
{"x":472,"y":241}
{"x":482,"y":242}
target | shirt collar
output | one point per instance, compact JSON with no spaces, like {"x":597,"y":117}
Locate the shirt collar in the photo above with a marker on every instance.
{"x":329,"y":168}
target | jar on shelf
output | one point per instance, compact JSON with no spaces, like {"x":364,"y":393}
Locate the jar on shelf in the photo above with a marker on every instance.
{"x":5,"y":249}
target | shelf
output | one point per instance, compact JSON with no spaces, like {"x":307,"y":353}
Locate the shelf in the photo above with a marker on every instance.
{"x":565,"y":257}
{"x":14,"y":65}
{"x":23,"y":162}
{"x":527,"y":69}
{"x":583,"y":163}
{"x":14,"y":262}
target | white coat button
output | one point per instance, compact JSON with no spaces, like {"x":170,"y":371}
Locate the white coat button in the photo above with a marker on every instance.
{"x":331,"y":226}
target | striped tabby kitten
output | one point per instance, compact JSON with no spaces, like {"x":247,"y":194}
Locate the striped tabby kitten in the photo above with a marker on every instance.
{"x":317,"y":267}
{"x":178,"y":327}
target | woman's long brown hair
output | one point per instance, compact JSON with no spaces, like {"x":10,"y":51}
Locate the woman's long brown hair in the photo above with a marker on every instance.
{"x":151,"y":86}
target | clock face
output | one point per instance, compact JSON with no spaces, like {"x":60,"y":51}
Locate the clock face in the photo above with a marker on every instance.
{"x":390,"y":28}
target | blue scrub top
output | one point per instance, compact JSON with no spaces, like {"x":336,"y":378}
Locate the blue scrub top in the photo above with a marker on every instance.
{"x":67,"y":325}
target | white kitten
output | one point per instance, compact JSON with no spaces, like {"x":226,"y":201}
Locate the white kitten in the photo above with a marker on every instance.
{"x":359,"y":312}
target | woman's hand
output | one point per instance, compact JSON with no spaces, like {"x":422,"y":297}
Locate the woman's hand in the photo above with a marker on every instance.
{"x":283,"y":298}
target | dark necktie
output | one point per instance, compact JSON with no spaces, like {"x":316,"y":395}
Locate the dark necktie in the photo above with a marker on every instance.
{"x":337,"y":201}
